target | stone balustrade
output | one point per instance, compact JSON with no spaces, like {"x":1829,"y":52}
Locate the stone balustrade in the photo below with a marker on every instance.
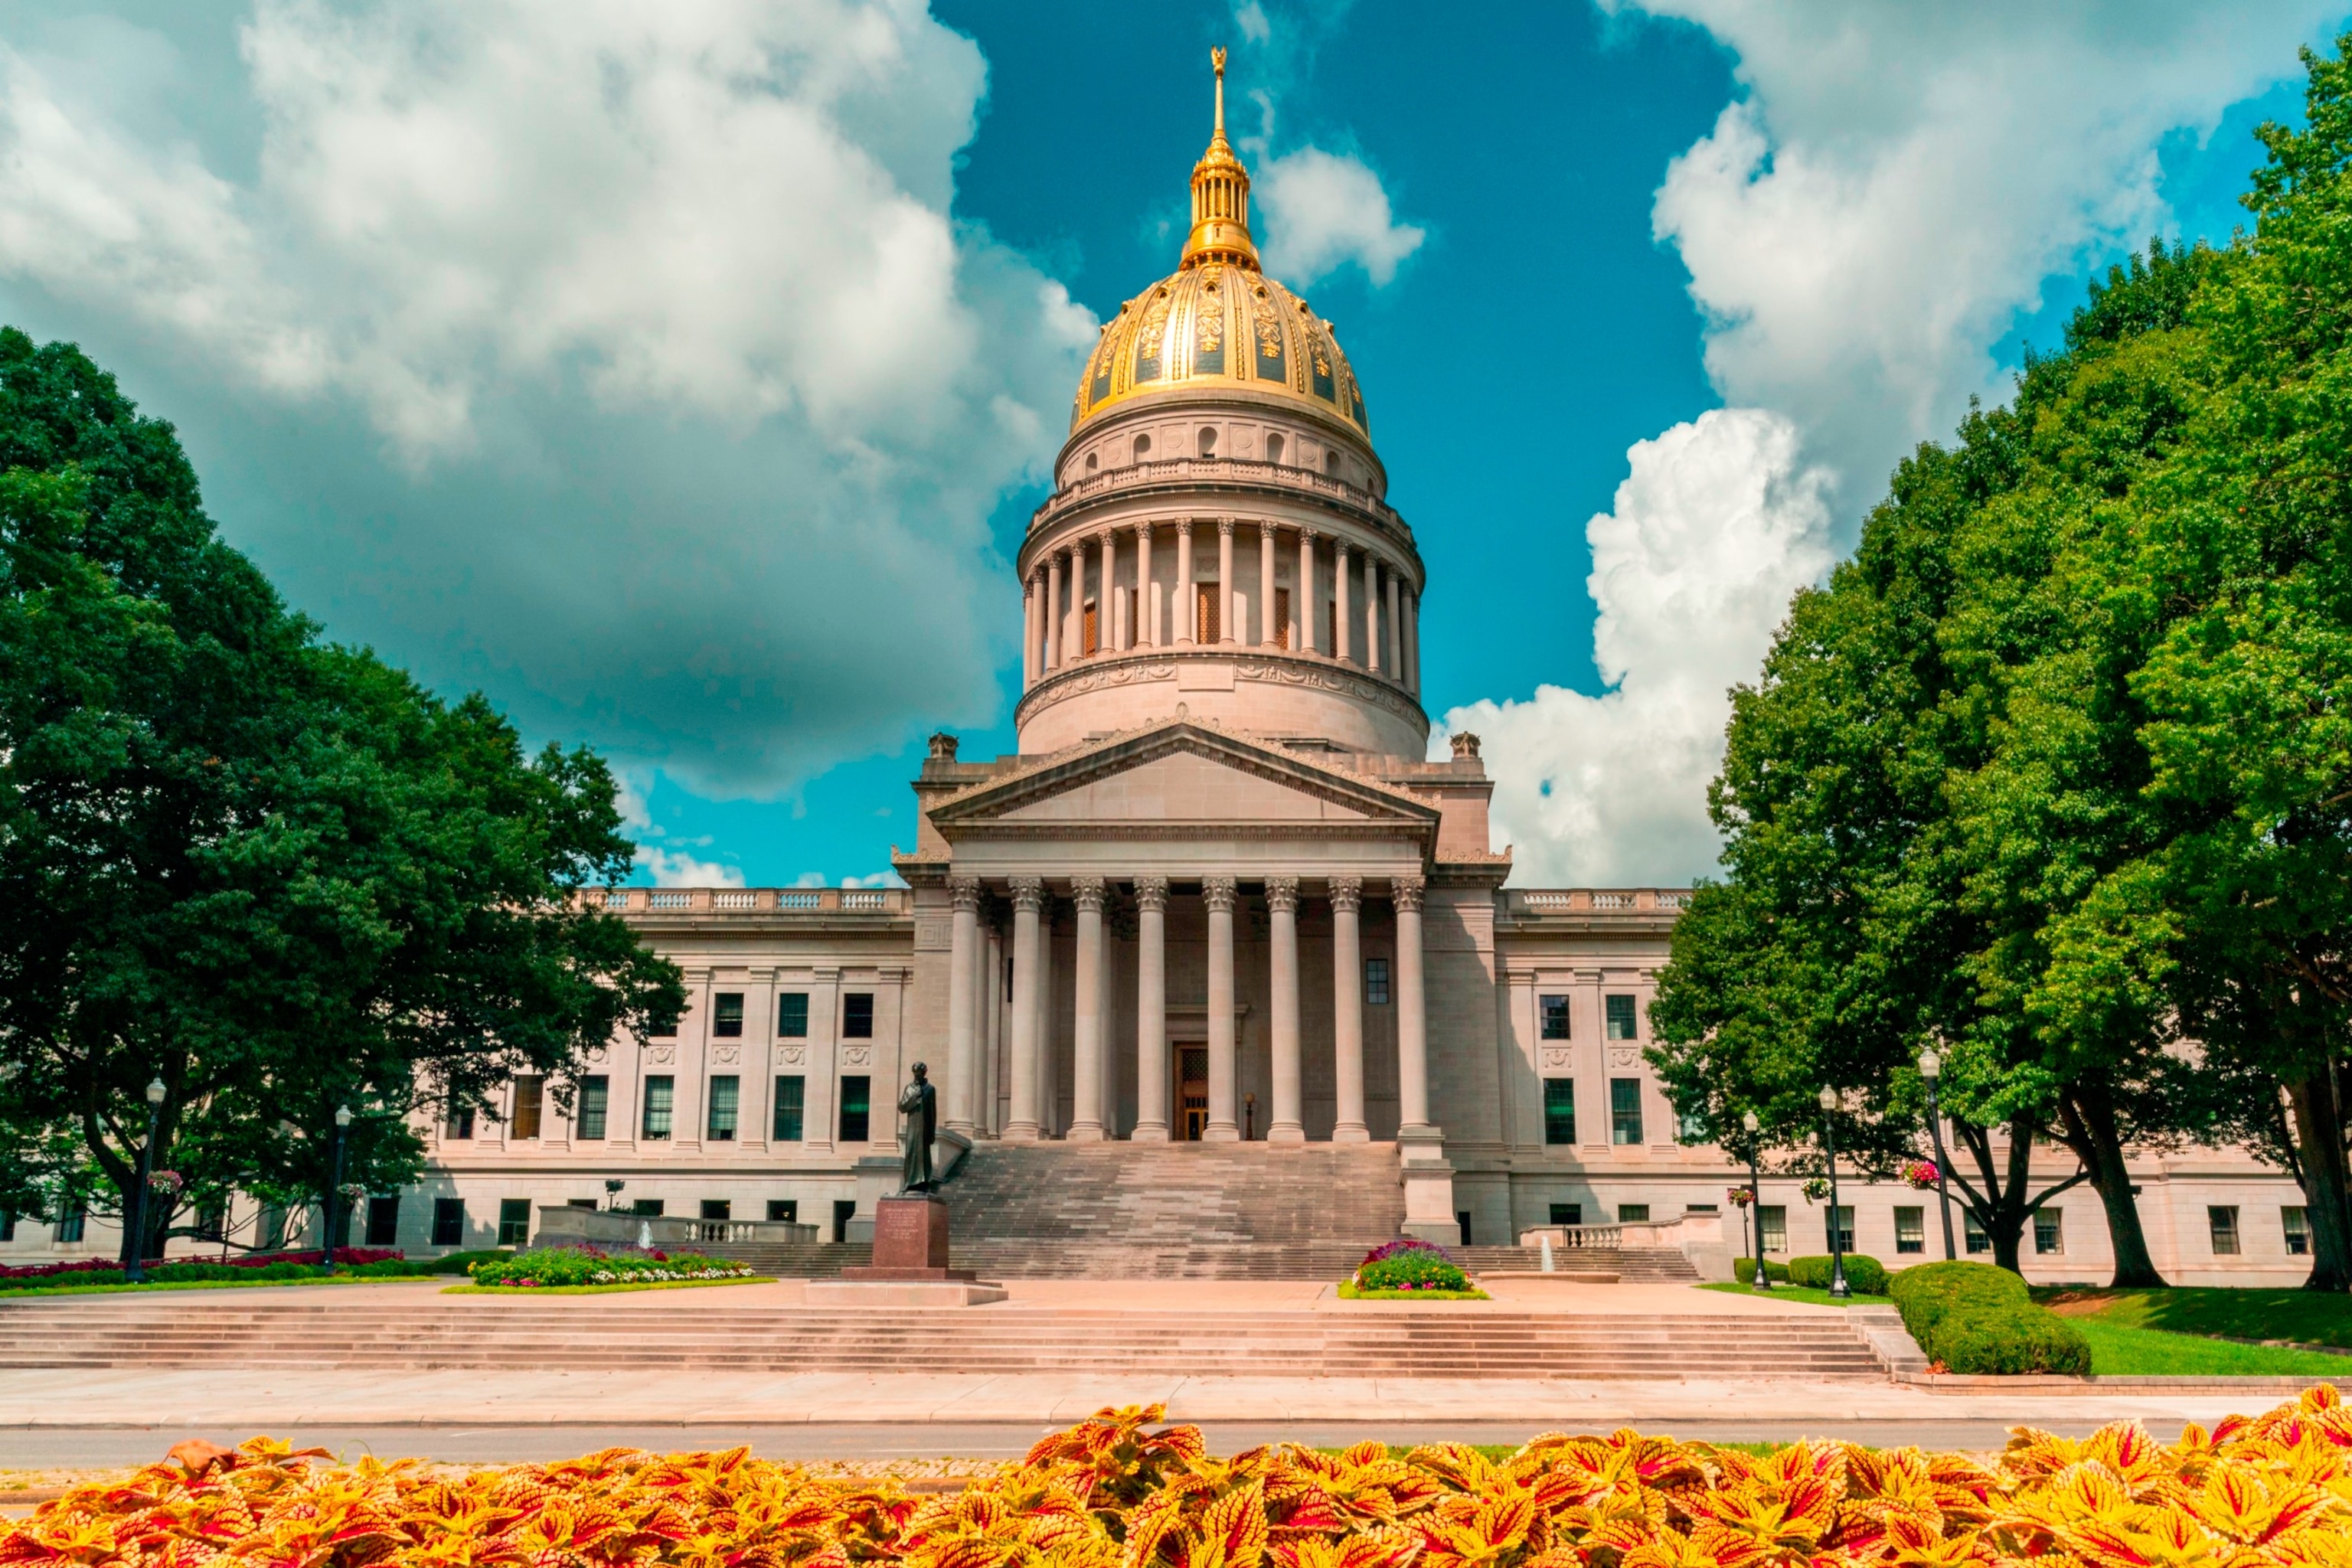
{"x":1536,"y":903}
{"x":751,"y":900}
{"x":1195,"y":471}
{"x":563,"y":1225}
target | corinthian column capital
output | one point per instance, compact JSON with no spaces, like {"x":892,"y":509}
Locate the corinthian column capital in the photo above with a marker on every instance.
{"x":964,"y":892}
{"x":1348,"y":894}
{"x":1152,"y":892}
{"x":1282,"y":893}
{"x":1087,"y":892}
{"x":1028,"y":894}
{"x":1406,"y":892}
{"x":1219,"y":893}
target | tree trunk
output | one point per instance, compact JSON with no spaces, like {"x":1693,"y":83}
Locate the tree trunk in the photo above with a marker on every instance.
{"x":2090,"y":1117}
{"x":1999,"y":1209}
{"x":2319,"y":1132}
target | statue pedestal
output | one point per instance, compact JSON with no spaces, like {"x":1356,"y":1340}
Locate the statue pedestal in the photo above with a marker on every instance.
{"x":910,"y":1262}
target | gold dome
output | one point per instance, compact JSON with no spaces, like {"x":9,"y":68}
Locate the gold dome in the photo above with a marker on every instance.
{"x":1218,"y":322}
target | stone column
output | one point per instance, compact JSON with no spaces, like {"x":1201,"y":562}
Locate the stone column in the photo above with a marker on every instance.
{"x":1302,"y":596}
{"x":1049,"y":1102}
{"x":1186,"y":619}
{"x":1412,"y":1016}
{"x":1286,"y":1123}
{"x":1412,"y":643}
{"x":1151,"y":1010}
{"x":1029,"y":632}
{"x":963,"y":997}
{"x":992,"y":1040}
{"x":1086,"y":1080}
{"x":1223,"y":1126}
{"x":1348,"y":1011}
{"x":1053,"y":610}
{"x":1268,"y":634}
{"x":1074,"y":622}
{"x":1147,"y":606}
{"x":1396,"y":633}
{"x":1226,"y":630}
{"x":1371,"y":613}
{"x":1106,"y":610}
{"x":1344,"y":634}
{"x":1021,"y":1125}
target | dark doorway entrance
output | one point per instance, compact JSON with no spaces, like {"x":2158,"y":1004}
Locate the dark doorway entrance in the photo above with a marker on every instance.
{"x":1192,"y":1090}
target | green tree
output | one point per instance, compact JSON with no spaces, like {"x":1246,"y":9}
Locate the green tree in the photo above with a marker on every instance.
{"x":272,"y":874}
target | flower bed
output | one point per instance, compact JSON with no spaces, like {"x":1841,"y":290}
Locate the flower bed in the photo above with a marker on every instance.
{"x":545,"y":1266}
{"x":1408,"y":1268}
{"x":1109,"y":1493}
{"x":344,"y":1257}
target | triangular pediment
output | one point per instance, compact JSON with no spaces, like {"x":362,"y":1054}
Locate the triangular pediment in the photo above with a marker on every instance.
{"x":1182,"y":773}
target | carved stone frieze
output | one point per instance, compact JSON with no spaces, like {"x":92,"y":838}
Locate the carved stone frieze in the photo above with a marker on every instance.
{"x":857,"y":1056}
{"x":661,"y":1053}
{"x":795,"y":1056}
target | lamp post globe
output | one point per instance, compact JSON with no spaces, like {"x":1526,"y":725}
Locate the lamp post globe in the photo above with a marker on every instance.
{"x":1838,"y":1287}
{"x":1931,"y":1068}
{"x":333,"y":1213}
{"x":1750,"y":1125}
{"x":135,"y":1221}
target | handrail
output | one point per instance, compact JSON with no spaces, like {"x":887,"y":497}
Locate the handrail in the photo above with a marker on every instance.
{"x":1166,"y":471}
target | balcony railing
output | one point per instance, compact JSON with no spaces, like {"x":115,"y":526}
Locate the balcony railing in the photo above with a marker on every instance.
{"x":1540,"y":901}
{"x":1197,"y":470}
{"x":751,"y":900}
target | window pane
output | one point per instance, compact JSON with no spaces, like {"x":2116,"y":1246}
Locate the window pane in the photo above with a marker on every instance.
{"x":789,"y":1092}
{"x":857,"y":1016}
{"x":725,"y":1094}
{"x":1624,"y":1111}
{"x":727,"y":1014}
{"x":71,"y":1224}
{"x":1842,"y":1241}
{"x":1376,"y":982}
{"x":718,"y":1208}
{"x":595,"y":1098}
{"x":2298,"y":1224}
{"x":1633,"y":1213}
{"x":1910,"y":1230}
{"x":383,"y":1221}
{"x":2049,"y":1235}
{"x":529,"y":1094}
{"x":514,"y":1222}
{"x":1554,"y":1017}
{"x":650,"y":1207}
{"x":1622,"y":1023}
{"x":661,"y":1096}
{"x":785,"y":1209}
{"x":2223,"y":1222}
{"x":8,"y":1224}
{"x":1978,"y":1240}
{"x":1559,"y":1111}
{"x":1568,"y":1214}
{"x":449,"y":1222}
{"x":791,"y":1015}
{"x":1774,"y":1219}
{"x":854,"y":1102}
{"x":459,"y":1123}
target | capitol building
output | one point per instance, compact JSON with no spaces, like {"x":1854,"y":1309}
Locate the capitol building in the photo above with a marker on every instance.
{"x":1220,"y":895}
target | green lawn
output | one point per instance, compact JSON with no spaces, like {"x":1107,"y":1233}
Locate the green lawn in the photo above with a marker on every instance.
{"x":2308,"y":1317}
{"x":1799,"y":1293}
{"x":2117,"y":1349}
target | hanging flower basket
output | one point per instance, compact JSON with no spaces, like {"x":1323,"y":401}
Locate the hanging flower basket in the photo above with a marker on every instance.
{"x":352,"y":1190}
{"x":1740,"y":1197}
{"x":1920,"y":1176}
{"x":1817,"y":1189}
{"x":164,"y":1180}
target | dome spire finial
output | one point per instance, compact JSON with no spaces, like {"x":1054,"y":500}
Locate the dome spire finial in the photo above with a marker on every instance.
{"x":1219,"y":195}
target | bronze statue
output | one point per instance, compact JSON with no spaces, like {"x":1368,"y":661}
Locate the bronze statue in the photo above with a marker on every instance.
{"x":918,"y":1108}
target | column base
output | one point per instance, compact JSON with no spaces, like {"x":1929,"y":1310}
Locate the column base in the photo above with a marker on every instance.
{"x":968,"y":1128}
{"x":1148,"y":1132}
{"x":1084,"y":1133}
{"x":1221,"y":1133}
{"x":1286,"y":1132}
{"x":1351,"y":1132}
{"x":1021,"y":1132}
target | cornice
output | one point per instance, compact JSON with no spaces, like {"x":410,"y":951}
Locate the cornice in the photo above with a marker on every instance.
{"x":1265,"y":665}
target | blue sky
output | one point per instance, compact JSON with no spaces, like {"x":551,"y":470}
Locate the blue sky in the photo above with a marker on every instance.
{"x":682,"y":380}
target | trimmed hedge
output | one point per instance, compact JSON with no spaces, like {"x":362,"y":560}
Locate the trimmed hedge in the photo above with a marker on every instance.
{"x":1865,"y":1275}
{"x":1744,"y":1271}
{"x":1978,"y":1319}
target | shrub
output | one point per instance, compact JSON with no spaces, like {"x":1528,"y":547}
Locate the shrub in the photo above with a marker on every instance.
{"x":557,"y":1266}
{"x":1865,"y":1275}
{"x":1931,"y":1292}
{"x":1408,"y":1265}
{"x":1744,"y":1269}
{"x":2011,"y":1340}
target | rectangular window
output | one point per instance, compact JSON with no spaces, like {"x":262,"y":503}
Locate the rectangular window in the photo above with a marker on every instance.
{"x":726,"y":1015}
{"x":1843,"y":1240}
{"x":1559,"y":1111}
{"x":787,"y":1210}
{"x":1624,"y":1111}
{"x":650,"y":1208}
{"x":71,"y":1224}
{"x":1205,"y":623}
{"x":530,"y":1093}
{"x":1568,"y":1214}
{"x":1376,"y":982}
{"x":2221,"y":1220}
{"x":1910,"y":1230}
{"x":449,"y":1222}
{"x":1093,"y":628}
{"x":791,"y":1015}
{"x":855,"y":1100}
{"x":792,"y":1091}
{"x":8,"y":1224}
{"x":1978,"y":1241}
{"x":2296,"y":1221}
{"x":1633,"y":1213}
{"x":1625,"y":1022}
{"x":857,"y":1016}
{"x":514,"y":1222}
{"x":661,"y":1099}
{"x":718,"y":1208}
{"x":1773,"y":1220}
{"x":595,"y":1098}
{"x":459,"y":1123}
{"x":2048,"y":1230}
{"x":580,"y":1203}
{"x":1331,"y":626}
{"x":725,"y":1094}
{"x":1554,"y":1011}
{"x":383,"y":1220}
{"x":1282,"y":618}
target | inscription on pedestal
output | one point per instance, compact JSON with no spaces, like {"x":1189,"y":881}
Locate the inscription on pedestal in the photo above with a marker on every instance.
{"x":910,"y":1233}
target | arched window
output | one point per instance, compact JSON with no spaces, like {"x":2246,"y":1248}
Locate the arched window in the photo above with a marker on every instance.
{"x":1142,"y":447}
{"x":1091,"y":460}
{"x":1273,"y":449}
{"x":1207,"y":445}
{"x":1331,"y":464}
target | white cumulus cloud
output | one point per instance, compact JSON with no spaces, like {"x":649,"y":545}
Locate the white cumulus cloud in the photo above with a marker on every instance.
{"x":1324,"y":210}
{"x":625,"y":359}
{"x":675,"y":869}
{"x":1718,"y":522}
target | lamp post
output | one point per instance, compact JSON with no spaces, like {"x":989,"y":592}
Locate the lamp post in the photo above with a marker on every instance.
{"x":1763,"y":1280}
{"x":1837,"y":1231}
{"x":137,"y":1272}
{"x":612,"y":1193}
{"x":1931,"y":1068}
{"x":335,"y":1188}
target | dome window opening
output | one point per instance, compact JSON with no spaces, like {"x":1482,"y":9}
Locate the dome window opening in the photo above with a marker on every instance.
{"x":1092,"y":462}
{"x":1273,"y":449}
{"x":1142,"y":447}
{"x":1331,"y":464}
{"x":1208,"y":441}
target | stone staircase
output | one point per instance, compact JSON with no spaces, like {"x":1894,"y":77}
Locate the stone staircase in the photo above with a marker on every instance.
{"x":397,"y":1332}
